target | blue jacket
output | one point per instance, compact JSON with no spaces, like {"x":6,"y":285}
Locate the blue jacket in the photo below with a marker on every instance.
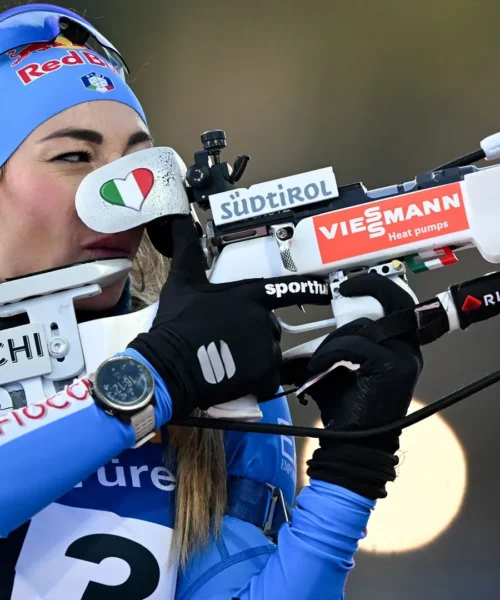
{"x":74,"y":493}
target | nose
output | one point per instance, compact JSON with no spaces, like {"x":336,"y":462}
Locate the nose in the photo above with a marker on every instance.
{"x":112,"y":156}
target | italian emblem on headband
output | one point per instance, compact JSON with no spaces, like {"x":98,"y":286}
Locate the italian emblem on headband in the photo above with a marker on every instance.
{"x":97,"y":82}
{"x":130,"y":192}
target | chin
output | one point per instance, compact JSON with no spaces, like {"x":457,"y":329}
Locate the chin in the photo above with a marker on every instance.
{"x":106,"y":299}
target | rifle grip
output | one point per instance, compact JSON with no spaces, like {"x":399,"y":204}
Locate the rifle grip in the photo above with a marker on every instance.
{"x":347,"y":310}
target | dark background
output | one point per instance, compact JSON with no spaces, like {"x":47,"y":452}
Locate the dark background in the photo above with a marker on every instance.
{"x":381,"y":90}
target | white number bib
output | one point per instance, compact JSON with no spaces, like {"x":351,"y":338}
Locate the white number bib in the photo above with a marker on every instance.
{"x":82,"y":554}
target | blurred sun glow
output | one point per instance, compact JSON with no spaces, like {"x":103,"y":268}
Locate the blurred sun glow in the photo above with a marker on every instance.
{"x":427,"y":494}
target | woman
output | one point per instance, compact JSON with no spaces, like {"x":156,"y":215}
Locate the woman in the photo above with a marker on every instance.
{"x":83,"y":514}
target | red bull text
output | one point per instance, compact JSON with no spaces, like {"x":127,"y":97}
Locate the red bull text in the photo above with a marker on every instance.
{"x":71,"y":58}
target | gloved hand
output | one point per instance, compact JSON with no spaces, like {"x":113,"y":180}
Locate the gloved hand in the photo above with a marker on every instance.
{"x":213,"y":343}
{"x":376,"y":392}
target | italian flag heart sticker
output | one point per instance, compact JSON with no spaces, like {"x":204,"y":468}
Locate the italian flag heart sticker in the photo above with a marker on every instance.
{"x":131,"y":191}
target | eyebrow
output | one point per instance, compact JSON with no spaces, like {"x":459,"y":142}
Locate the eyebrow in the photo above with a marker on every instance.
{"x":94,"y":137}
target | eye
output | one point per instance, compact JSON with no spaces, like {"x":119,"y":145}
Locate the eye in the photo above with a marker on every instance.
{"x":74,"y":157}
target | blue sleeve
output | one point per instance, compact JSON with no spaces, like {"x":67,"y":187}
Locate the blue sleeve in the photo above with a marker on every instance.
{"x":312,"y":559}
{"x":48,"y":448}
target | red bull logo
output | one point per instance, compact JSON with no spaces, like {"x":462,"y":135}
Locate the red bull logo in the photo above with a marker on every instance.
{"x":72,"y":58}
{"x":18,"y":55}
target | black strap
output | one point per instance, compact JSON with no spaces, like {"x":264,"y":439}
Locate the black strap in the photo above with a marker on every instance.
{"x":427,"y":320}
{"x":261,"y":504}
{"x":432,"y":321}
{"x":391,"y":326}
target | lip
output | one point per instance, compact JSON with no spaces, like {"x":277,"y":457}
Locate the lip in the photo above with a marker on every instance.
{"x":109,"y":247}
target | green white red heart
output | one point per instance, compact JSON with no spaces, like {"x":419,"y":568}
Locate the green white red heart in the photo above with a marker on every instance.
{"x":130,"y":192}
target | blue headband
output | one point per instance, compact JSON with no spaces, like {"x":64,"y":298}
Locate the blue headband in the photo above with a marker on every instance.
{"x":40,"y":80}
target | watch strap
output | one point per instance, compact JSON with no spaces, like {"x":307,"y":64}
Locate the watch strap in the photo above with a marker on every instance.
{"x":143,"y":423}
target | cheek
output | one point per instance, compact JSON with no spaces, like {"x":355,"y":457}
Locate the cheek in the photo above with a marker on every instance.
{"x":46,"y":200}
{"x":37,"y":215}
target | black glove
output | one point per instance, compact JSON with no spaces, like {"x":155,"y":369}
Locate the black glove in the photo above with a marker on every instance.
{"x":377,"y":393}
{"x":213,"y":343}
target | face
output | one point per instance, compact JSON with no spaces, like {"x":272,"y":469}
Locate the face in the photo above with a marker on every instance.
{"x":41,"y":229}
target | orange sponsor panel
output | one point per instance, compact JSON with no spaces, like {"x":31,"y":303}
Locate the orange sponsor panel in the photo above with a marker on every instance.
{"x":384,"y":224}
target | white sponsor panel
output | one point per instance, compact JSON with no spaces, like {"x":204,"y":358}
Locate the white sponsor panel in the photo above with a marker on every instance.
{"x":273,"y":196}
{"x":23,"y":353}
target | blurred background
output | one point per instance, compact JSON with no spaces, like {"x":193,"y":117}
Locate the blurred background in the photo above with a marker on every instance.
{"x":381,"y":90}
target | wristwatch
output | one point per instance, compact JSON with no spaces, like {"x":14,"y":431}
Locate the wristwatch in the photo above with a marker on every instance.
{"x":124,"y":387}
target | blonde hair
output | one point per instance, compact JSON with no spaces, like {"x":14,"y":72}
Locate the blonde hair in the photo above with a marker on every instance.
{"x":201,"y":489}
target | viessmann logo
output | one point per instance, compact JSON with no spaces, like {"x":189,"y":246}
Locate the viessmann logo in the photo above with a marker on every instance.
{"x":389,"y":223}
{"x":375,"y":219}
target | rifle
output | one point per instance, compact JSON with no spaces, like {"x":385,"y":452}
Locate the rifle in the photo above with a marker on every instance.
{"x":307,"y":224}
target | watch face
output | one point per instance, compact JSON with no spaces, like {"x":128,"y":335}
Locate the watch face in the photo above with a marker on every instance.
{"x":124,"y":383}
